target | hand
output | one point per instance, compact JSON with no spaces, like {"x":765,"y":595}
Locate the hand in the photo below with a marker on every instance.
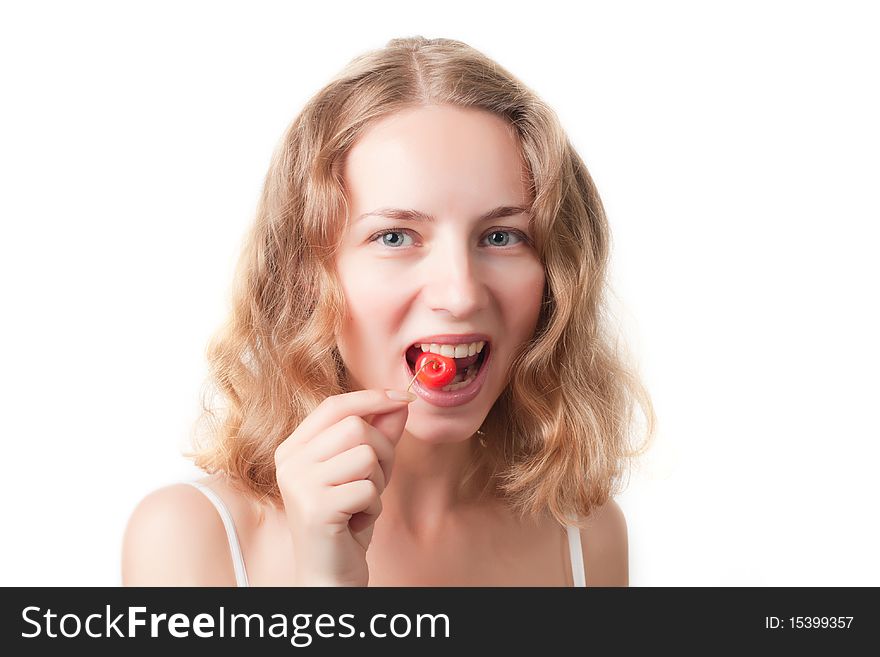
{"x":331,"y":471}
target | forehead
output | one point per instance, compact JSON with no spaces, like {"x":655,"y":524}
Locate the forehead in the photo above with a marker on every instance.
{"x":437,"y":159}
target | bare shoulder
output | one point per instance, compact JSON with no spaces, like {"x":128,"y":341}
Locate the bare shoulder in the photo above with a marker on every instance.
{"x":175,"y":537}
{"x":606,"y":546}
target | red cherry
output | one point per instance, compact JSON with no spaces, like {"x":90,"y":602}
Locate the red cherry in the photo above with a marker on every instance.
{"x":440,"y":370}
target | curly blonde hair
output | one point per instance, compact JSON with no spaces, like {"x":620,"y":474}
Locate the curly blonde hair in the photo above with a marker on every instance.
{"x":560,"y":436}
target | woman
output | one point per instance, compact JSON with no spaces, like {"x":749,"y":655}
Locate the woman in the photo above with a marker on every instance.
{"x":424,"y":200}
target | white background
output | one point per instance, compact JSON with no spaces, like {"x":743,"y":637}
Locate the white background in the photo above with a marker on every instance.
{"x":735,"y":146}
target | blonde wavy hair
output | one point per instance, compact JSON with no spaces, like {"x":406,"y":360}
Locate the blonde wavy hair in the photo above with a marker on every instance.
{"x":561,"y":435}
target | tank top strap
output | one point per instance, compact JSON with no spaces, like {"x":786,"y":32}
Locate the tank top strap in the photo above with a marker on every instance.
{"x":576,"y":553}
{"x":231,"y":535}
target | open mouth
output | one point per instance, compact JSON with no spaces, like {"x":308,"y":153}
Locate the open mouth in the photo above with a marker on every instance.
{"x":465,"y":368}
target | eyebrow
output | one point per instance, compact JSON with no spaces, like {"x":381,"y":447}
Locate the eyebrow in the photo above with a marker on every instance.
{"x":399,"y":214}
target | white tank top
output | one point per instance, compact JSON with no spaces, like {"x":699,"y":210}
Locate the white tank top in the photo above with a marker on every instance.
{"x":575,"y":550}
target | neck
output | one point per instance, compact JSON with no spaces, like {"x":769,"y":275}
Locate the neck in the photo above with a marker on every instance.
{"x":425,"y":490}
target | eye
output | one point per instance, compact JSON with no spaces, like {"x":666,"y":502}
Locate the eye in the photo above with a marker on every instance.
{"x":494,"y":235}
{"x":391,"y":243}
{"x":395,"y":238}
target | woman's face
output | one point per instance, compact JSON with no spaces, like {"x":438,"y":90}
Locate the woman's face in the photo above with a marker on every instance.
{"x":456,"y":274}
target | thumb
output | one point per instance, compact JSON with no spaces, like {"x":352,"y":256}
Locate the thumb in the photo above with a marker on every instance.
{"x":391,"y":424}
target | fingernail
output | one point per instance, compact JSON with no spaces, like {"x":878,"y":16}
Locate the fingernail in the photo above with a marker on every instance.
{"x":397,"y":395}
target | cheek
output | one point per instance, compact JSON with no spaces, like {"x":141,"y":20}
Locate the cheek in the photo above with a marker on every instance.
{"x":360,"y":289}
{"x":523,"y":296}
{"x":370,"y":307}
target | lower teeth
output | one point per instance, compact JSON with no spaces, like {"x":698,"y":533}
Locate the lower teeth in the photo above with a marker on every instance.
{"x":470,"y":375}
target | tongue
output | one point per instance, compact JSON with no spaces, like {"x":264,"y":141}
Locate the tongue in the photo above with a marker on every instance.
{"x":461,"y":363}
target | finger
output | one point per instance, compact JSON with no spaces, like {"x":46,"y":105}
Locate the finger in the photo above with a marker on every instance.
{"x":357,"y":463}
{"x":335,"y":408}
{"x":337,"y":440}
{"x":361,"y":525}
{"x":391,"y":423}
{"x":354,"y":497}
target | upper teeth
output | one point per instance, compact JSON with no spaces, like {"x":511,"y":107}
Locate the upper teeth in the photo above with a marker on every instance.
{"x":454,"y":350}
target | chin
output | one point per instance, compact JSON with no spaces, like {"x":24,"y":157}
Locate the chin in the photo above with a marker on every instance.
{"x":439,"y":435}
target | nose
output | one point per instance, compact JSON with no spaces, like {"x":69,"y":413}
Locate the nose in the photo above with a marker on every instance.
{"x":454,"y":281}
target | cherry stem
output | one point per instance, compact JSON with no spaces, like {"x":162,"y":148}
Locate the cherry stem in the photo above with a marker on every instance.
{"x":424,"y":365}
